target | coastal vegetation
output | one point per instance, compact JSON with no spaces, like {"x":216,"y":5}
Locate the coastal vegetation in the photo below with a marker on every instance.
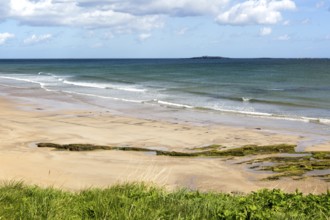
{"x":212,"y":150}
{"x":281,"y":160}
{"x":294,"y":166}
{"x":143,"y":201}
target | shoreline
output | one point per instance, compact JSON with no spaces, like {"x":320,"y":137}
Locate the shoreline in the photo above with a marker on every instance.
{"x":312,"y":136}
{"x":24,"y":124}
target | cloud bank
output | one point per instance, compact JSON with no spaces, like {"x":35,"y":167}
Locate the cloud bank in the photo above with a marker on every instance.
{"x":125,"y":16}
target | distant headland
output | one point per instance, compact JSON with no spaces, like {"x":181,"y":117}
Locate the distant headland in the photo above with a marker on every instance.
{"x":209,"y":57}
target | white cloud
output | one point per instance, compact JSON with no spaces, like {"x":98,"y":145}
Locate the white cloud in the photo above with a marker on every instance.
{"x":144,"y":36}
{"x":255,"y":12}
{"x":284,"y":37}
{"x":179,"y":8}
{"x":70,"y":13}
{"x":5,"y":36}
{"x":35,"y":39}
{"x":265,"y":31}
{"x":128,"y":16}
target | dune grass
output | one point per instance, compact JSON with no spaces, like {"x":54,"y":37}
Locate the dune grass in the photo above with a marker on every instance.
{"x":142,"y":201}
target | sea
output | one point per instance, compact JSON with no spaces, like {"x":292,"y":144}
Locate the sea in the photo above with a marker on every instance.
{"x":273,"y":89}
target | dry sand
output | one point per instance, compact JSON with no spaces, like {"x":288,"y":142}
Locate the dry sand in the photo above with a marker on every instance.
{"x":20,"y":159}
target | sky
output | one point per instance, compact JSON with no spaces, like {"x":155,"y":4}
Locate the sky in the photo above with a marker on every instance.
{"x":164,"y":28}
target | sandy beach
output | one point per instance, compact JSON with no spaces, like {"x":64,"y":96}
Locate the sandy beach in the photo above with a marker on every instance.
{"x":158,"y":109}
{"x":24,"y":124}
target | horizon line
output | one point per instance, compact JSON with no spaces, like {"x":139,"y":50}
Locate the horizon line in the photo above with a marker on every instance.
{"x":139,"y":58}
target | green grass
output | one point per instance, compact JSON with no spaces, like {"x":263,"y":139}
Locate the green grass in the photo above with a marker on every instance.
{"x":141,"y":201}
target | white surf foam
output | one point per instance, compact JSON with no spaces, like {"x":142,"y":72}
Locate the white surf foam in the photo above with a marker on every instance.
{"x":104,"y":86}
{"x":245,"y":99}
{"x":275,"y":116}
{"x":172,"y":104}
{"x":41,"y":84}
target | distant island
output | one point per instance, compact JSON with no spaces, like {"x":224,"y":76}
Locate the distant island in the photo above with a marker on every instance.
{"x":209,"y":57}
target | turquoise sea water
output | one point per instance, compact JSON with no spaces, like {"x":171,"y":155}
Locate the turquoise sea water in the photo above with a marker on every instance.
{"x":288,"y":89}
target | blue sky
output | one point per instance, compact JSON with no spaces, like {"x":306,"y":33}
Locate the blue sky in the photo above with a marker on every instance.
{"x":164,"y":28}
